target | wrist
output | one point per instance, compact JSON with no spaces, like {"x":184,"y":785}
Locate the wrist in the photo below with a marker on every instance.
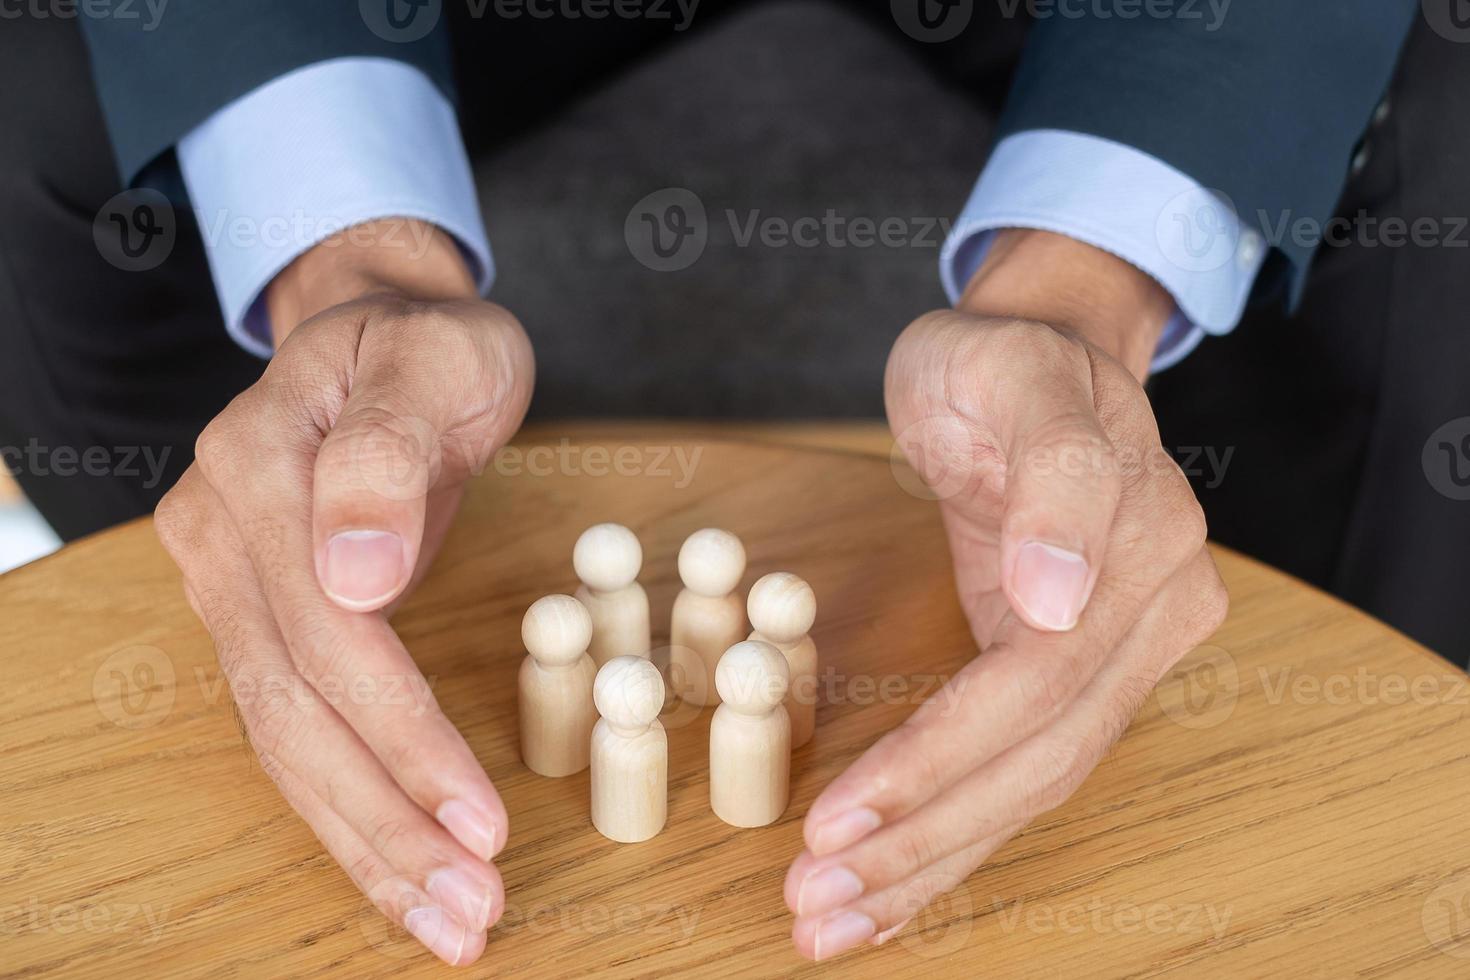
{"x":403,"y":256}
{"x":1074,"y":287}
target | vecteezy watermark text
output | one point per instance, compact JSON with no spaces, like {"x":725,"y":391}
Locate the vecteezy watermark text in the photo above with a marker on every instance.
{"x":127,"y":462}
{"x":676,"y":463}
{"x":406,"y":21}
{"x":65,"y":918}
{"x":147,"y":13}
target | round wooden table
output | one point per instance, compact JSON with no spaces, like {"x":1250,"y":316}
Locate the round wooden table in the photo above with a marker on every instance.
{"x":1291,"y":802}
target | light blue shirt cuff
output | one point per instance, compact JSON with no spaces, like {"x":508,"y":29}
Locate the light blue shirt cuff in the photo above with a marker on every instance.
{"x":1127,"y":202}
{"x":312,"y":153}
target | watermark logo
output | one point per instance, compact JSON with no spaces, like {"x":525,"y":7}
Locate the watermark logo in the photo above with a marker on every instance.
{"x":942,"y":923}
{"x":934,"y":458}
{"x":400,"y":21}
{"x":135,"y":230}
{"x":400,"y":457}
{"x":1197,"y":230}
{"x":932,"y":21}
{"x":1446,"y":459}
{"x":1446,"y":918}
{"x":667,"y":230}
{"x":1450,"y":19}
{"x":1201,"y":690}
{"x":134,"y":687}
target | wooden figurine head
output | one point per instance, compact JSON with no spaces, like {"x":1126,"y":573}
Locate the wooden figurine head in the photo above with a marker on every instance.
{"x":752,"y":677}
{"x":711,"y":562}
{"x":556,"y":630}
{"x":607,"y":557}
{"x":629,"y":693}
{"x":782,"y":607}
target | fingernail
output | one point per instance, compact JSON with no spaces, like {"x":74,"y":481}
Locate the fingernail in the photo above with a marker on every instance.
{"x":890,"y":932}
{"x":840,"y":932}
{"x":844,"y":829}
{"x":465,"y":896}
{"x":830,"y":888}
{"x":363,"y":568}
{"x":1051,"y":584}
{"x":438,"y":931}
{"x":469,"y":826}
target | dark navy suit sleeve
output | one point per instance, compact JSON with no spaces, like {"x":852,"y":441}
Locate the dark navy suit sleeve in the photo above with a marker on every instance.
{"x":156,"y":85}
{"x":1264,"y":102}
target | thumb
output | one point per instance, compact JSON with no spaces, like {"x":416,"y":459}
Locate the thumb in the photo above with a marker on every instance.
{"x":1061,"y":490}
{"x":370,"y":486}
{"x":432,"y":394}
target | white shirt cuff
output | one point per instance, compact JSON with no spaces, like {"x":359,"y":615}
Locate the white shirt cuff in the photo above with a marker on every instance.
{"x":312,"y":153}
{"x":1126,"y":202}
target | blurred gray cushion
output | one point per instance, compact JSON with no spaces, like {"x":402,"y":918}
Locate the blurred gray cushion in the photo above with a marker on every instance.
{"x":784,"y":110}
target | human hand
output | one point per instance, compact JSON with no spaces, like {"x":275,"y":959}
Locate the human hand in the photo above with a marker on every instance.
{"x":1080,"y":561}
{"x":317,"y":498}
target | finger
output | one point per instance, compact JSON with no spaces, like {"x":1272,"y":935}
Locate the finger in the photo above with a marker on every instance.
{"x":443,"y":923}
{"x":1021,"y":682}
{"x":443,"y":505}
{"x":820,"y":937}
{"x":430,"y":389}
{"x":1062,"y":483}
{"x":338,"y":651}
{"x":303,"y":744}
{"x":1035,"y":776}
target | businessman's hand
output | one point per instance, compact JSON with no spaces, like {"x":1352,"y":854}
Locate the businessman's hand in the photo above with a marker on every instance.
{"x":1079,"y":554}
{"x":317,"y":498}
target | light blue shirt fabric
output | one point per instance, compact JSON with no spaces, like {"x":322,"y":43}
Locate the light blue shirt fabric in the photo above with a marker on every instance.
{"x":312,"y":153}
{"x":1123,"y":200}
{"x":355,"y":139}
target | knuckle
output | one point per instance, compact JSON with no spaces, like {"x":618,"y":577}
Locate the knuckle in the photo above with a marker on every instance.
{"x":1046,"y":684}
{"x":1071,"y":445}
{"x":323,"y":655}
{"x":1177,"y":524}
{"x":376,"y":441}
{"x":271,"y":764}
{"x":274,"y":720}
{"x":177,"y":522}
{"x":365,"y":869}
{"x":231,"y":636}
{"x":209,"y":447}
{"x":1057,"y":770}
{"x":1186,"y":525}
{"x":389,"y":834}
{"x":1133,"y":691}
{"x":1211,"y":606}
{"x":906,"y":749}
{"x":913,"y":851}
{"x":407,"y":754}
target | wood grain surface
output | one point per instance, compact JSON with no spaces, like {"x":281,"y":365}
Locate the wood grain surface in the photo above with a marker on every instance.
{"x":1291,"y":802}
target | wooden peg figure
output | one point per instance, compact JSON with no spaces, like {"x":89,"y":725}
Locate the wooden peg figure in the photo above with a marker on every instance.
{"x":708,"y":616}
{"x":630,"y":751}
{"x":555,"y":693}
{"x":607,"y":559}
{"x":750,"y":737}
{"x":782,"y":608}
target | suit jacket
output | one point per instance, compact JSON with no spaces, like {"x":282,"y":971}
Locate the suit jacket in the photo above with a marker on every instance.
{"x":1263,"y":100}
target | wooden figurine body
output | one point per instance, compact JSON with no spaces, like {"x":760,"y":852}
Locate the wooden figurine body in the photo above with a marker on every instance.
{"x":750,"y":737}
{"x":607,"y":559}
{"x":782,"y":609}
{"x":630,"y":751}
{"x":708,"y":616}
{"x":555,"y":687}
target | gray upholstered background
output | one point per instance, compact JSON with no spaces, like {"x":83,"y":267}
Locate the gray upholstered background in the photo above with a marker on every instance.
{"x":785,"y":108}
